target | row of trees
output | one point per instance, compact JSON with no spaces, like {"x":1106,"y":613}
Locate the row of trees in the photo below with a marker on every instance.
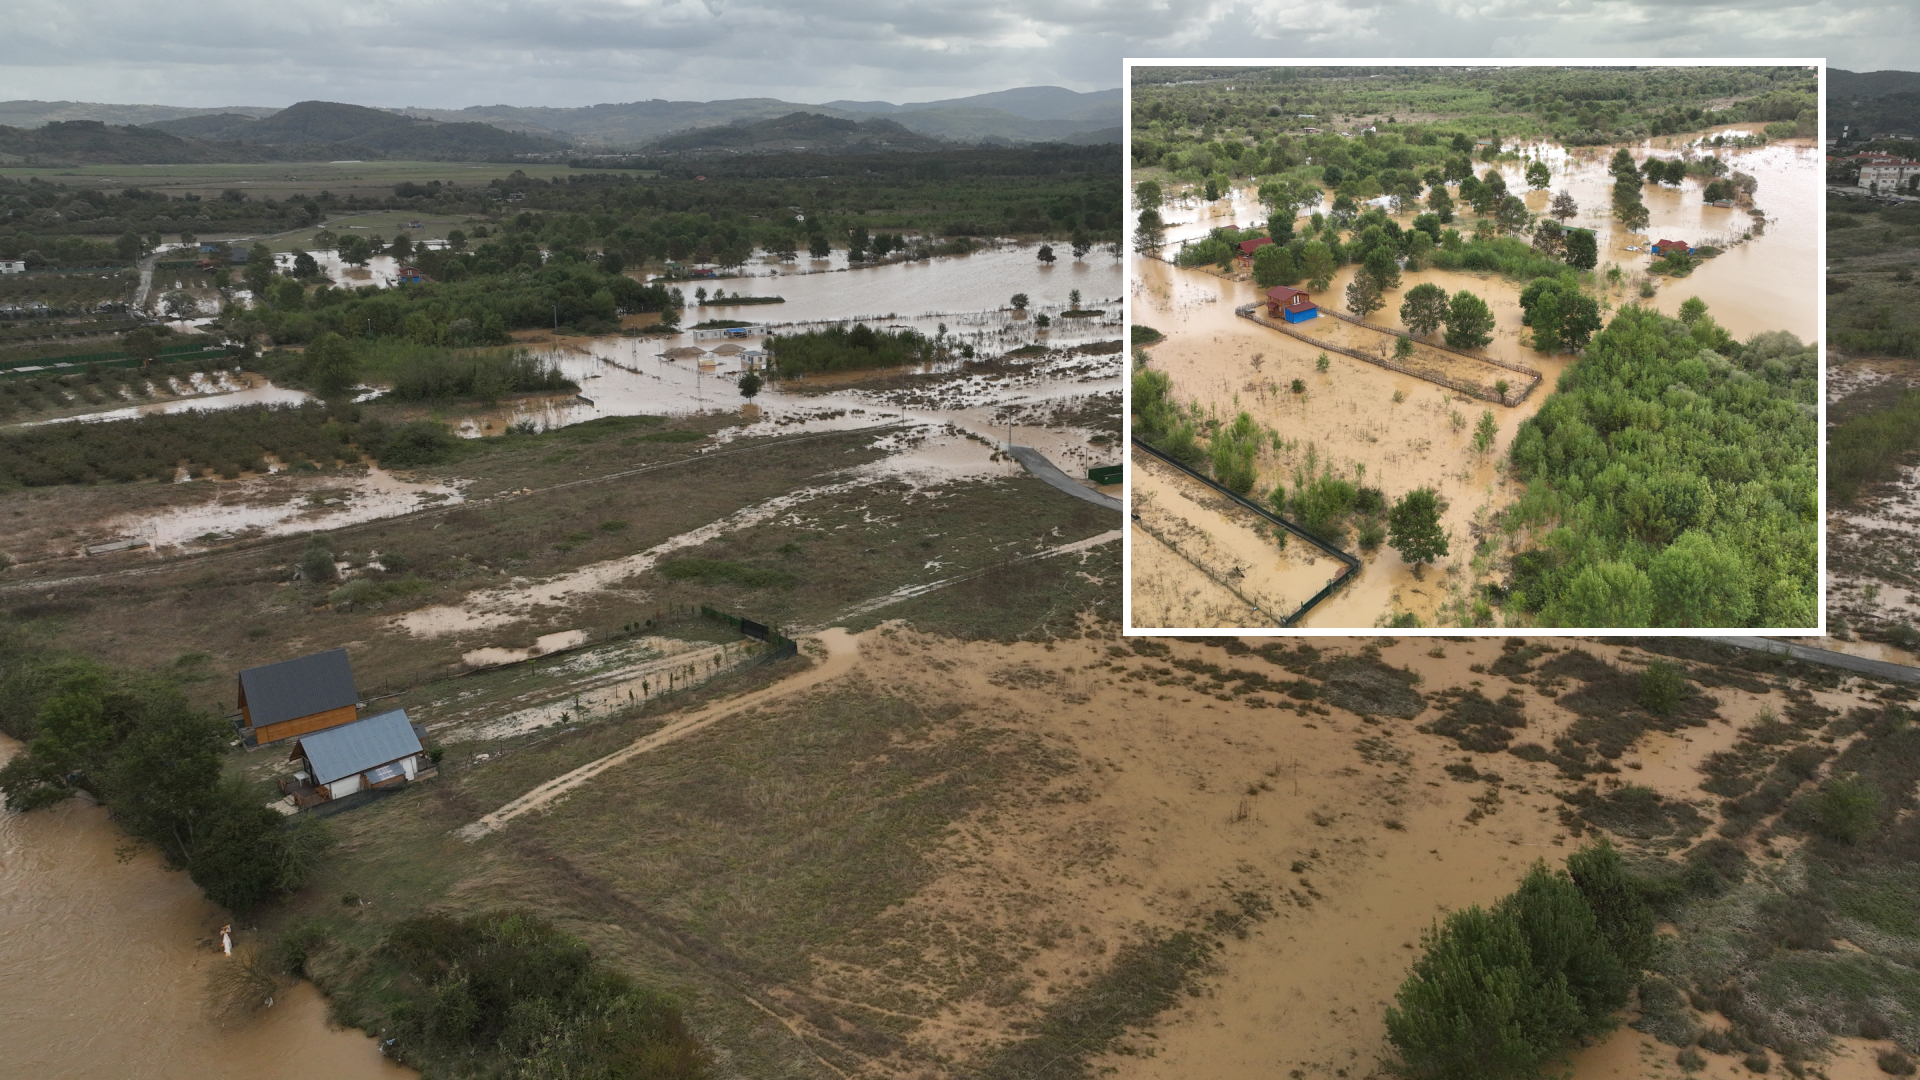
{"x":132,"y":741}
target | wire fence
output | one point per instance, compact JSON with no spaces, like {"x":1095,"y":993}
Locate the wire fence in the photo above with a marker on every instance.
{"x":1512,"y":396}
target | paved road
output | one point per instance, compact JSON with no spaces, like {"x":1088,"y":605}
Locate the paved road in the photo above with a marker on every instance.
{"x":1038,"y":465}
{"x":1877,"y":668}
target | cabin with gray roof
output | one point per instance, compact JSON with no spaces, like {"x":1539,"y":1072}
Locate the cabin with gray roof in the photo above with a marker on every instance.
{"x":379,"y":752}
{"x":294,"y":697}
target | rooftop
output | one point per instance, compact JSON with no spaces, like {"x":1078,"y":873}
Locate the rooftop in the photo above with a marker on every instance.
{"x":275,"y":693}
{"x":353,"y":748}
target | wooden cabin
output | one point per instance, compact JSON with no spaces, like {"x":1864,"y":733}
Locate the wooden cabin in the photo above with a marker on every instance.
{"x":294,"y":697}
{"x":411,"y":275}
{"x":1249,"y":247}
{"x":1668,"y":247}
{"x":378,"y":752}
{"x":1291,"y":304}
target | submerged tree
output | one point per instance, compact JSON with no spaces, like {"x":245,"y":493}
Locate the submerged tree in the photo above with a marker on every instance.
{"x":1563,"y":206}
{"x":1469,"y":321}
{"x":1424,"y":308}
{"x":1414,"y":527}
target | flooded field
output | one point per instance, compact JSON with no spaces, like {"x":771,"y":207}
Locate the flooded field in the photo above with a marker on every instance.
{"x":1400,"y":432}
{"x":104,"y":962}
{"x":1238,"y":555}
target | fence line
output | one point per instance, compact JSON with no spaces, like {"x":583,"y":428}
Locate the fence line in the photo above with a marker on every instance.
{"x":1352,"y":564}
{"x":1478,"y":390}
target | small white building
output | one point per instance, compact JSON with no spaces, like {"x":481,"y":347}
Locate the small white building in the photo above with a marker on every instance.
{"x":380,"y":751}
{"x":13,"y":266}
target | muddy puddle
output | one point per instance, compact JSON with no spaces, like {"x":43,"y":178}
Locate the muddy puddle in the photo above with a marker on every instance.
{"x":1399,"y":432}
{"x":103,"y":965}
{"x":282,"y":505}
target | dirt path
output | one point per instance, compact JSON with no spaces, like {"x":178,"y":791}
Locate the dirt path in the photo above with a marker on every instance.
{"x":842,"y":649}
{"x":1037,"y":464}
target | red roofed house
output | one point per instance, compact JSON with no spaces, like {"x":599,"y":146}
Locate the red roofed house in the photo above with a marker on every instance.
{"x":410,"y":275}
{"x":1668,"y":247}
{"x":1248,"y":247}
{"x":1291,"y":304}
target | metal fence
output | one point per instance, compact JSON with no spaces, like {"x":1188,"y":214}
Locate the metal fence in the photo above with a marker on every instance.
{"x":1251,"y":313}
{"x":1352,"y":564}
{"x":783,"y":646}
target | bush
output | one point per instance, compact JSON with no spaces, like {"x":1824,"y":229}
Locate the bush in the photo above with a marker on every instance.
{"x":507,"y":994}
{"x":373,"y":591}
{"x":1846,"y":809}
{"x":416,"y":443}
{"x":1662,"y":688}
{"x":316,"y":561}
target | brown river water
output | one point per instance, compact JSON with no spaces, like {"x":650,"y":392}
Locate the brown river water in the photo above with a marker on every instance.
{"x":104,"y":963}
{"x":1406,"y":432}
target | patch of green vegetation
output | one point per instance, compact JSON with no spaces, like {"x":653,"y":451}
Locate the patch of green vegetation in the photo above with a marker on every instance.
{"x":1498,"y":993}
{"x":132,"y":741}
{"x":1675,"y":474}
{"x":840,"y":348}
{"x":364,"y":591}
{"x":723,"y":572}
{"x":505,"y":993}
{"x":1146,"y":335}
{"x":1869,"y":447}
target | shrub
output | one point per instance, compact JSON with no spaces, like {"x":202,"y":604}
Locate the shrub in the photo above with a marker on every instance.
{"x":416,"y":443}
{"x":316,"y":562}
{"x":1662,"y":688}
{"x":1846,"y":809}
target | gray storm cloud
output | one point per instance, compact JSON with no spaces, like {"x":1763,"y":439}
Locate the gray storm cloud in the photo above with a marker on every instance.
{"x":443,"y":54}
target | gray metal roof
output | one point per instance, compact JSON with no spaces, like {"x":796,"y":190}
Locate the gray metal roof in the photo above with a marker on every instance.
{"x":295,"y":688}
{"x":359,"y":746}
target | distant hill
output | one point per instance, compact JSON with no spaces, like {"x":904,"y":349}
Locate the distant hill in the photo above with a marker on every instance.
{"x":1027,"y":114}
{"x":332,"y":124}
{"x":799,"y":131}
{"x":1874,"y":103}
{"x":1030,"y":102}
{"x":90,"y":142}
{"x":223,"y":125}
{"x":1005,"y":117}
{"x":30,"y":114}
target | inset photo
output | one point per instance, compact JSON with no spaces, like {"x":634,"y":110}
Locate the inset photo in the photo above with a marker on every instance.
{"x":1533,"y":348}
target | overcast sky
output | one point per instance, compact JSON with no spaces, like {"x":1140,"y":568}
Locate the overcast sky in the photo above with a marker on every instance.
{"x":446,"y":54}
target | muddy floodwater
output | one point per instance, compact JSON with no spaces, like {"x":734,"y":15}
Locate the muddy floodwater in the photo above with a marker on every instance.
{"x":103,"y":968}
{"x":1382,"y":428}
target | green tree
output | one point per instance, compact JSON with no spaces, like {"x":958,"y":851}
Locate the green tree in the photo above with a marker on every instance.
{"x":1577,"y":980}
{"x":817,"y":245}
{"x":1316,"y":262}
{"x":1511,"y":214}
{"x":1563,"y":207}
{"x":331,"y":366}
{"x":259,"y":271}
{"x":1441,"y":204}
{"x":1486,"y":431}
{"x":1699,"y":583}
{"x":1363,"y":295}
{"x":1469,"y":321}
{"x":1274,"y":265}
{"x":142,"y":344}
{"x":1846,"y":809}
{"x":1235,"y":452}
{"x":1620,"y":911}
{"x":1212,"y":190}
{"x":1583,"y":251}
{"x":1691,"y":309}
{"x":749,"y":385}
{"x":1019,"y":301}
{"x":1424,"y":308}
{"x":1152,"y":233}
{"x":1622,"y":166}
{"x":128,"y":247}
{"x":1413,"y":527}
{"x":1538,"y":175}
{"x":1604,"y":594}
{"x":1465,"y":1012}
{"x":1147,"y":194}
{"x":1663,"y":686}
{"x":1381,"y":266}
{"x":355,"y":250}
{"x":1632,"y":215}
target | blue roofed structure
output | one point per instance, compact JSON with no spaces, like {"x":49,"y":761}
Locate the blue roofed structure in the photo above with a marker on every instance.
{"x":375,"y":752}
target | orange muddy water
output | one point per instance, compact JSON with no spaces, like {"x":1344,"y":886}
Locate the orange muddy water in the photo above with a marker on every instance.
{"x":104,"y":963}
{"x":1407,"y":432}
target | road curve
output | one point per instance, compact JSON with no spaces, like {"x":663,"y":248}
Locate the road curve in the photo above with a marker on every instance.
{"x":1038,"y":465}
